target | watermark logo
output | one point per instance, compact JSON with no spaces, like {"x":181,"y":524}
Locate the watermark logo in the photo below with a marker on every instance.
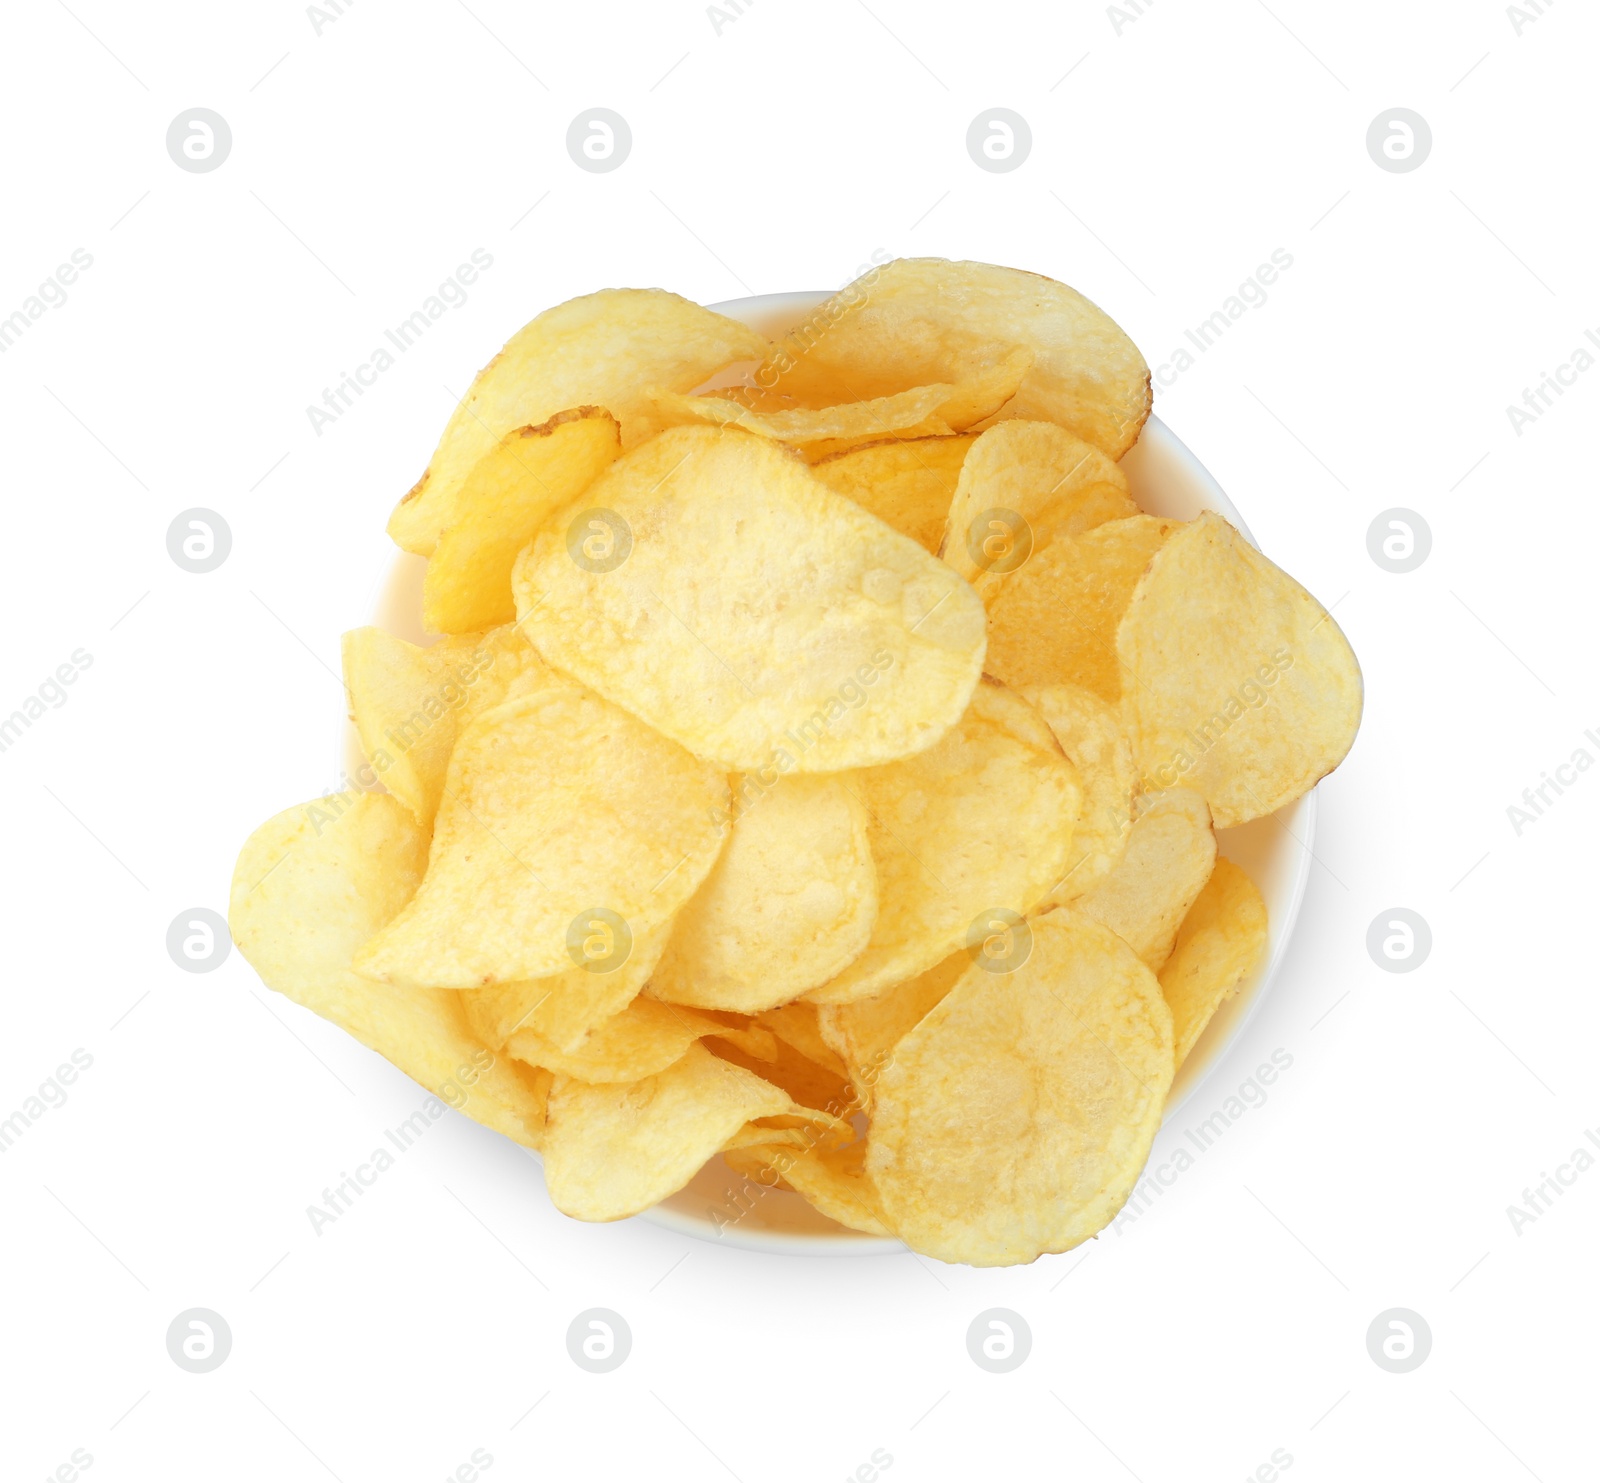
{"x":599,"y":140}
{"x":199,"y":540}
{"x":999,"y":140}
{"x":999,"y":1340}
{"x":599,"y":1340}
{"x":999,"y":541}
{"x":999,"y":941}
{"x":199,"y":140}
{"x":1399,"y":141}
{"x":598,"y":940}
{"x":1399,"y":540}
{"x":1399,"y":1340}
{"x":599,"y":541}
{"x":198,"y":940}
{"x":1399,"y":940}
{"x":199,"y":1340}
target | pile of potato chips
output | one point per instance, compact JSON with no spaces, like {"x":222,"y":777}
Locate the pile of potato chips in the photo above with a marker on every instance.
{"x":820,"y":770}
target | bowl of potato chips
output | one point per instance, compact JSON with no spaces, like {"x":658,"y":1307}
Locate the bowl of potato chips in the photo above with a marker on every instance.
{"x":831,"y":772}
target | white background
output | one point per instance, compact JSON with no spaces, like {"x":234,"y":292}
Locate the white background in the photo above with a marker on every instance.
{"x":1168,"y":162}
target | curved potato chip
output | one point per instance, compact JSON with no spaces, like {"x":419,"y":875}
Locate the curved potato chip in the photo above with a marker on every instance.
{"x":1015,"y":1118}
{"x":1221,"y":942}
{"x":560,"y":812}
{"x":908,"y":483}
{"x":1241,"y":685}
{"x":937,"y":408}
{"x":307,"y":891}
{"x":834,"y":1180}
{"x":865,"y":1032}
{"x":643,"y":1039}
{"x":1170,"y":854}
{"x":918,"y":320}
{"x":755,"y":616}
{"x":811,"y":1085}
{"x":789,"y":903}
{"x":979,"y":823}
{"x":409,"y":704}
{"x":1089,"y":731}
{"x":798,"y":1025}
{"x":1023,"y":486}
{"x":907,"y":412}
{"x":566,"y":1006}
{"x":611,"y":1151}
{"x":525,"y":478}
{"x":1054,"y":622}
{"x":604,"y":349}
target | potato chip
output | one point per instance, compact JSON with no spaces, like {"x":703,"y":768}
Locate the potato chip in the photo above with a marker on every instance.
{"x":865,"y":1032}
{"x":563,"y":1008}
{"x":919,"y":410}
{"x":740,"y":607}
{"x":605,"y":349}
{"x":790,"y":902}
{"x":920,"y":320}
{"x":979,"y":824}
{"x":797,"y":1025}
{"x":1222,"y":941}
{"x":1025,"y":485}
{"x":808,"y":1083}
{"x":611,"y":1151}
{"x":409,"y":703}
{"x":1015,"y":1118}
{"x":1169,"y":857}
{"x":311,"y":885}
{"x":568,"y":830}
{"x":1054,"y":622}
{"x":908,"y":483}
{"x":524,"y":479}
{"x":834,"y":1180}
{"x":645,"y":1038}
{"x":1241,"y":685}
{"x":1089,"y":730}
{"x":908,"y":412}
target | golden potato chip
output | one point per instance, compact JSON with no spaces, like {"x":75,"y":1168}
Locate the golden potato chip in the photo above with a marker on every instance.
{"x":834,"y":1180}
{"x":563,"y":1008}
{"x":1023,"y":486}
{"x":979,"y":824}
{"x":742,"y":608}
{"x":1015,"y":1118}
{"x":409,"y":703}
{"x":908,"y":412}
{"x":919,"y":410}
{"x":797,"y":1024}
{"x":865,"y":1032}
{"x":1054,"y":622}
{"x":1089,"y":730}
{"x":645,"y":1038}
{"x":789,"y":903}
{"x":908,"y":483}
{"x":311,"y":885}
{"x":1240,"y":684}
{"x":611,"y":1151}
{"x":919,"y":320}
{"x":567,"y":831}
{"x":1221,"y":942}
{"x":605,"y":349}
{"x":808,"y":1083}
{"x":1168,"y":859}
{"x":518,"y":484}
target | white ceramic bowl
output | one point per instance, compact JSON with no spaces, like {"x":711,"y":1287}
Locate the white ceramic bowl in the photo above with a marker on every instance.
{"x":717,"y":1204}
